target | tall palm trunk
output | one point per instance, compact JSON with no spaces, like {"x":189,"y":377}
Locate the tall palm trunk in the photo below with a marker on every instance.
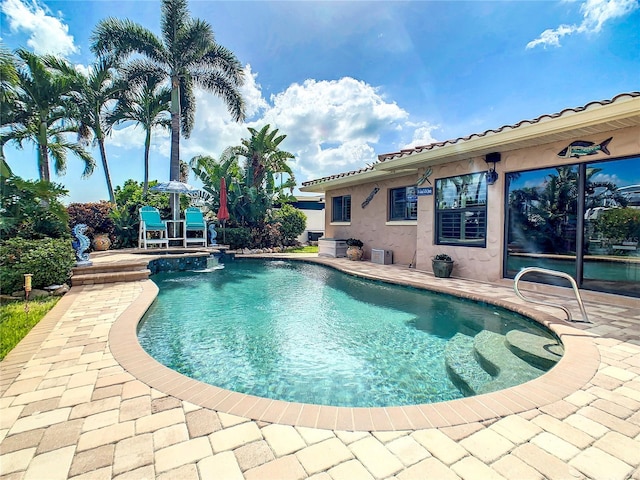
{"x":105,"y":165}
{"x":147,"y":147}
{"x":174,"y":166}
{"x":43,"y":153}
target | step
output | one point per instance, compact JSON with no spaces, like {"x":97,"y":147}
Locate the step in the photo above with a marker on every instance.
{"x":111,"y":267}
{"x":110,"y":277}
{"x":462,"y":365}
{"x":507,"y":368}
{"x":540,"y":351}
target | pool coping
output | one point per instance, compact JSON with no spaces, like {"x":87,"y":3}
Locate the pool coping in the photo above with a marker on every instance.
{"x":576,"y":368}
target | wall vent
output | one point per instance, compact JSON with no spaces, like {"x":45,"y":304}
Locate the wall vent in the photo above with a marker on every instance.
{"x":382,"y":257}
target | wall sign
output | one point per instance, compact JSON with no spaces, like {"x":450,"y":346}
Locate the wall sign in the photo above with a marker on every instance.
{"x":423,"y":191}
{"x":580,"y":148}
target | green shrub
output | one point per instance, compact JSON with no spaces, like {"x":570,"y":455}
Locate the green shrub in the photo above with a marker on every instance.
{"x":49,"y":260}
{"x":292,"y":223}
{"x":238,"y":237}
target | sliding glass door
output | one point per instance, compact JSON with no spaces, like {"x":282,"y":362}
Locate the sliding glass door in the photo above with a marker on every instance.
{"x":582,"y":219}
{"x":612,"y":227}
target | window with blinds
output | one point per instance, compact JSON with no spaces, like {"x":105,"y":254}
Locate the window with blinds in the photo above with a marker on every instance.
{"x":403,"y":203}
{"x":341,"y":209}
{"x":461,"y":210}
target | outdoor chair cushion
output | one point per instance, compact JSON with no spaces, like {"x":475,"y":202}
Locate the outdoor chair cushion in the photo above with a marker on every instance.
{"x":193,"y":219}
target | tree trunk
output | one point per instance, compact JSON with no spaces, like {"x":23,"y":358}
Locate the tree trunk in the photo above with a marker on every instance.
{"x":107,"y":174}
{"x":43,"y":153}
{"x":174,"y":166}
{"x":147,"y":146}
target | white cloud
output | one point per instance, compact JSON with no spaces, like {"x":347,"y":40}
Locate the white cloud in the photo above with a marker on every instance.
{"x":331,"y":126}
{"x":421,"y":135}
{"x":47,"y":34}
{"x":595,"y":14}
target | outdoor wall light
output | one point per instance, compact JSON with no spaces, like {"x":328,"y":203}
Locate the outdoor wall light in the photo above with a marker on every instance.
{"x":492,"y":175}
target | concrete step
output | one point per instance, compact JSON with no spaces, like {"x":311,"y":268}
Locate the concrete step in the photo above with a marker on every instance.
{"x":507,"y":368}
{"x":128,"y":271}
{"x":110,"y":277}
{"x":462,"y":365}
{"x":111,"y":267}
{"x":539,"y":351}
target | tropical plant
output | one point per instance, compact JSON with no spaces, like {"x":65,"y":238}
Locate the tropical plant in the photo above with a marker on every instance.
{"x":147,"y":102}
{"x":8,"y":85}
{"x":188,"y":56}
{"x":264,"y":157}
{"x":43,"y":111}
{"x":95,"y":95}
{"x":442,"y":257}
{"x":354,"y":242}
{"x":125,"y":227}
{"x":32,"y":209}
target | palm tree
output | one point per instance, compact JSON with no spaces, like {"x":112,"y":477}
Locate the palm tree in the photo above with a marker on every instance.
{"x":264,"y":157}
{"x":189,"y":57}
{"x":43,"y":112}
{"x":95,"y":95}
{"x":147,"y":103}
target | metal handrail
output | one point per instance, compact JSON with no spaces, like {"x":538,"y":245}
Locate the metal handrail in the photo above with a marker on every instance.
{"x":555,"y":273}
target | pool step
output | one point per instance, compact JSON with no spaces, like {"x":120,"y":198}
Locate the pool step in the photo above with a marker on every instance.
{"x":507,"y":368}
{"x":538,"y":351}
{"x":462,"y":365}
{"x":129,"y":271}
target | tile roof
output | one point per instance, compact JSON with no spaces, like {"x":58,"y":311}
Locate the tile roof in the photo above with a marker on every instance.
{"x":410,"y":151}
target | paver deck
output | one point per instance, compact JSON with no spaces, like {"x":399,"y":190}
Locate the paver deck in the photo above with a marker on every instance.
{"x":80,"y":399}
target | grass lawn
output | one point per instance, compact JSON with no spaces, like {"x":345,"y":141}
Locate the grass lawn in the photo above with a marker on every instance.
{"x":304,"y":249}
{"x":15,"y":323}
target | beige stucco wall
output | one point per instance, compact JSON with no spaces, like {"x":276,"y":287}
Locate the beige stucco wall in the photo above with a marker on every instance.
{"x":371,"y":226}
{"x":486,"y":263}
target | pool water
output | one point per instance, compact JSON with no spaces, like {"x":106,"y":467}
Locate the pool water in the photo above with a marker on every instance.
{"x":306,"y":333}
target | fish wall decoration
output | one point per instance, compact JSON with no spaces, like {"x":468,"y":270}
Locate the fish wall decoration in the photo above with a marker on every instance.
{"x":580,"y":148}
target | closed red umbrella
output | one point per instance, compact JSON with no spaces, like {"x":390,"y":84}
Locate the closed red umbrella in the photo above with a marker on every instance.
{"x":223,"y":212}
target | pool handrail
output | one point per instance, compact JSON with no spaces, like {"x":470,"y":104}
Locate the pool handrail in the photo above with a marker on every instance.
{"x":555,"y":273}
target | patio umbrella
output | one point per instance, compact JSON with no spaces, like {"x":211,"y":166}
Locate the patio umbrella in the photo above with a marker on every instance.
{"x":223,"y":212}
{"x":175,"y":188}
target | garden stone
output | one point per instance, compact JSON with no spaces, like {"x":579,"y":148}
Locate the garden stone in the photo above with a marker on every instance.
{"x":59,"y":292}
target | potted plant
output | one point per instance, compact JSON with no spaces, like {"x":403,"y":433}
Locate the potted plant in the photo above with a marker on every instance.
{"x":442,"y":265}
{"x":354,"y":249}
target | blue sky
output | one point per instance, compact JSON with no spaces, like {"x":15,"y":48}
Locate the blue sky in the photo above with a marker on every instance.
{"x":346,"y":81}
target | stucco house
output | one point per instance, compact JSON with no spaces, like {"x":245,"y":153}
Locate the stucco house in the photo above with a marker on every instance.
{"x":559,"y":192}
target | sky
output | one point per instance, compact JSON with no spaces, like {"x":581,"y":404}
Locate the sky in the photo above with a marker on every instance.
{"x":349,"y":80}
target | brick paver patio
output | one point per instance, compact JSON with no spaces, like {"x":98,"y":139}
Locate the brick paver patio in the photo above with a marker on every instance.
{"x":79,"y":400}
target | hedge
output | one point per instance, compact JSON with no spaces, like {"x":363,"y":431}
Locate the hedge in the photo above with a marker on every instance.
{"x":49,"y":260}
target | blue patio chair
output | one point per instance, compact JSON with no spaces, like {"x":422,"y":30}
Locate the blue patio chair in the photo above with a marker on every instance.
{"x":150,"y":221}
{"x":194,"y":222}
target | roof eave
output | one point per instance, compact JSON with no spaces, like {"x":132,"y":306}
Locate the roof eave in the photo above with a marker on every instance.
{"x":356,"y":179}
{"x":544,"y":131}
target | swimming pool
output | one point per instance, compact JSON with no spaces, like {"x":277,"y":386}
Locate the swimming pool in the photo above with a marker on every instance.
{"x":307,"y":333}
